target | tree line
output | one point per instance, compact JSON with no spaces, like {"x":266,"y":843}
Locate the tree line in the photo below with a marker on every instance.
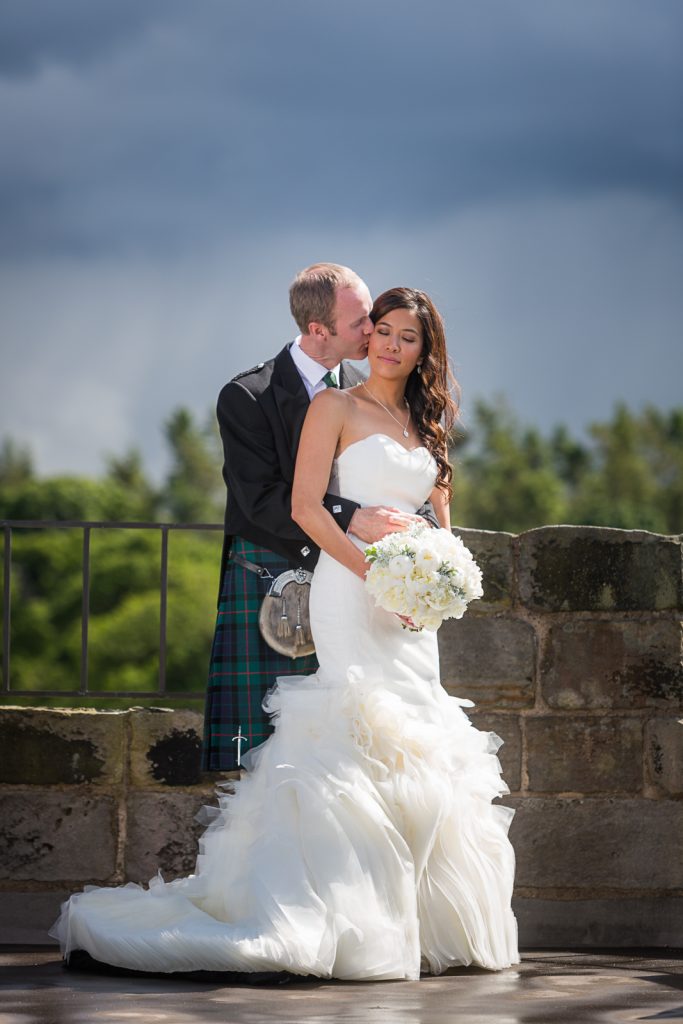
{"x":625,"y":472}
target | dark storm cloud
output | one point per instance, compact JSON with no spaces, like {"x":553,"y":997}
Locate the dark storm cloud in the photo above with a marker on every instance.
{"x":166,"y":166}
{"x":39,"y":32}
{"x":159,"y":125}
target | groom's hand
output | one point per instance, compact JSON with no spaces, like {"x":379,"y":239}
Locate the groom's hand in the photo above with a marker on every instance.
{"x":373,"y":523}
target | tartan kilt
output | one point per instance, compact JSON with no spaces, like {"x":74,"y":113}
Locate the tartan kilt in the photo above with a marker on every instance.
{"x":243,"y":667}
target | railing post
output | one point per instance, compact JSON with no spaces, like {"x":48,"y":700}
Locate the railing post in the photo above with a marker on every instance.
{"x":6,"y":606}
{"x":163,"y":608}
{"x":9,"y":526}
{"x":85,"y":610}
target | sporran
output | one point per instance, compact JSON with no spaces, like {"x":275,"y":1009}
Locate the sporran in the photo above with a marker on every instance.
{"x":284,"y":619}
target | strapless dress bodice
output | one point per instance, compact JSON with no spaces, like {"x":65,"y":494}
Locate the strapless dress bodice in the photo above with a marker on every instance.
{"x":378,"y":470}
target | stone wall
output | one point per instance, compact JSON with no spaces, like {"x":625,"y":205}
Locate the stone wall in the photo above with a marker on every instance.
{"x":573,"y":658}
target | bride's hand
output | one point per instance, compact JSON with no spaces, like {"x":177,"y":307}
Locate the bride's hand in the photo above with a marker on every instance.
{"x":407,"y":622}
{"x":372,"y":523}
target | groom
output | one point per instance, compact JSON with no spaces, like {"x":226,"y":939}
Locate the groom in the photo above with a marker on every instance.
{"x":261,"y":413}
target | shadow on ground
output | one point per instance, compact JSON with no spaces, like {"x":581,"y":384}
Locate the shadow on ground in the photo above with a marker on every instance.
{"x":548,"y":987}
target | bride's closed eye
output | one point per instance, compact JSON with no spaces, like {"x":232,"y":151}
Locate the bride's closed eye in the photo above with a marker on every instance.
{"x":408,"y":336}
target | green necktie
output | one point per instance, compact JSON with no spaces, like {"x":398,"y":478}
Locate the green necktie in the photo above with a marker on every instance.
{"x":330,"y":380}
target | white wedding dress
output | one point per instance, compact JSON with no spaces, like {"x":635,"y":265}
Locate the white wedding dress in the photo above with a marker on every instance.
{"x":363,"y":842}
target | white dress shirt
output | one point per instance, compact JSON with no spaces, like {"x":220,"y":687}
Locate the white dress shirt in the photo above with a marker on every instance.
{"x":311,"y":373}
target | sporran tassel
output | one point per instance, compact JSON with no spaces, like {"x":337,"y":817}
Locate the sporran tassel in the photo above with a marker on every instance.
{"x":284,"y":630}
{"x":299,"y":631}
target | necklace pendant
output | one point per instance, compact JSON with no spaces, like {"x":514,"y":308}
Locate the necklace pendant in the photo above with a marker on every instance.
{"x":406,"y":434}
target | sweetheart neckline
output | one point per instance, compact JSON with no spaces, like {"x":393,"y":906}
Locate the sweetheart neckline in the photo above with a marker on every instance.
{"x":378,"y":433}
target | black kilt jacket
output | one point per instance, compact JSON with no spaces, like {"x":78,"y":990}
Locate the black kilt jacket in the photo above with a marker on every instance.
{"x":260,"y":414}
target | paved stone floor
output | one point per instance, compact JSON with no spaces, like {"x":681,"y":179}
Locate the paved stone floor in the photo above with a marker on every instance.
{"x":549,"y":987}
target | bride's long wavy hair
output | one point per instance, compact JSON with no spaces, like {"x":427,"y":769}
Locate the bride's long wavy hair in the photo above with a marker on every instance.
{"x":433,"y":394}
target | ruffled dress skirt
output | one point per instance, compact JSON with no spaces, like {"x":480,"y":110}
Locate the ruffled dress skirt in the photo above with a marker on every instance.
{"x":362,"y":843}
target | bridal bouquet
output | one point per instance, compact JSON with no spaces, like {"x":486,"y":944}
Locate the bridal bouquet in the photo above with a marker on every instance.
{"x":427,"y":575}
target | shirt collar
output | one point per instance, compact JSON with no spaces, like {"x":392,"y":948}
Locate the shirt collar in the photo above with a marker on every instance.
{"x":311,"y":370}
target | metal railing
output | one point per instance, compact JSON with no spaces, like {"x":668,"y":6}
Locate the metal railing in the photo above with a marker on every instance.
{"x":87,"y":526}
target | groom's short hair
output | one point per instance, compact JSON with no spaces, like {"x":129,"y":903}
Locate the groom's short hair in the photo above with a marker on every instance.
{"x":313,"y":291}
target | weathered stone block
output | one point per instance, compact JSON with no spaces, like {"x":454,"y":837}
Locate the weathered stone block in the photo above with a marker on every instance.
{"x":620,"y":922}
{"x":493,"y":554}
{"x":510,"y":754}
{"x":589,"y":664}
{"x":614,"y":843}
{"x":53,"y":836}
{"x":166,"y":747}
{"x":48,"y":747}
{"x":664,"y":754}
{"x":584,"y":568}
{"x":163,"y":834}
{"x":25,"y":917}
{"x":584,"y":755}
{"x":489,"y":660}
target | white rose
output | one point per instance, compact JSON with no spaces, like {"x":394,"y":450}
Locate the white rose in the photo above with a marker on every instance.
{"x":394,"y":600}
{"x":400,"y":566}
{"x":426,"y":560}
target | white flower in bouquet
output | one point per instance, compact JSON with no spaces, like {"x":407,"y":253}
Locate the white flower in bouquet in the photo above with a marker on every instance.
{"x":423,"y":574}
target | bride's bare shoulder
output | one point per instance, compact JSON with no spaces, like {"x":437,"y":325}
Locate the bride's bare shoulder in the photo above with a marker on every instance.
{"x":334,"y":401}
{"x":331,"y":412}
{"x":330,"y":402}
{"x":328,"y":410}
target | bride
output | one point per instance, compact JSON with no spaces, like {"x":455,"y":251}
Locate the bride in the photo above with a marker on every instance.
{"x":363,"y":842}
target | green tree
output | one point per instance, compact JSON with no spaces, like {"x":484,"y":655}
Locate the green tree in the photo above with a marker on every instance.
{"x":662,"y":434}
{"x":508,"y":480}
{"x":127,"y":472}
{"x":194,"y":490}
{"x":16,"y":464}
{"x":124,"y":609}
{"x":623,"y":486}
{"x":68,"y":497}
{"x":125,"y":568}
{"x":46,"y":607}
{"x":570,"y":458}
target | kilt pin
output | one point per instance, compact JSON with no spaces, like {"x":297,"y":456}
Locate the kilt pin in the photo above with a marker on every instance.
{"x":260,"y":414}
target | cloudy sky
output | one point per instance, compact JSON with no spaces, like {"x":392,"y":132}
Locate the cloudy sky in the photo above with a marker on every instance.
{"x":166,"y":167}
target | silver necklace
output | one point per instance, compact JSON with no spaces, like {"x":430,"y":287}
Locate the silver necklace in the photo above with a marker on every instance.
{"x":404,"y":429}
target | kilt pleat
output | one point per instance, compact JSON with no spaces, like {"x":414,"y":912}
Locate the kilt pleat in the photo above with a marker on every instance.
{"x":243,"y":667}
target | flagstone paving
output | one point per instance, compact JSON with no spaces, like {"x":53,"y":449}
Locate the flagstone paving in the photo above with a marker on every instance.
{"x":548,"y":987}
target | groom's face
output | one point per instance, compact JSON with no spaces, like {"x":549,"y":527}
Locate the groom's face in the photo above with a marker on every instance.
{"x":353,"y":325}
